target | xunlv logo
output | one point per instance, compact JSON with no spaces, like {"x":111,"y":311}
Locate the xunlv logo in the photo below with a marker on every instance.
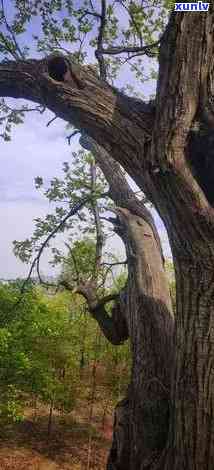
{"x":199,"y":6}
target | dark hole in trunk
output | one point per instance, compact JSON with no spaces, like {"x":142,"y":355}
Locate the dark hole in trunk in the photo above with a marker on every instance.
{"x":57,"y":68}
{"x":200,"y":155}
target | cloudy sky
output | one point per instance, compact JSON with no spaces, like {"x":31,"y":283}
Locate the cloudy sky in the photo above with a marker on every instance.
{"x":35,"y":150}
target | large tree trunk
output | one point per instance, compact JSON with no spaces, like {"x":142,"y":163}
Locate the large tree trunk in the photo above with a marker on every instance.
{"x":141,"y":422}
{"x":150,"y":326}
{"x":191,"y":436}
{"x":167,"y":147}
{"x":181,"y":150}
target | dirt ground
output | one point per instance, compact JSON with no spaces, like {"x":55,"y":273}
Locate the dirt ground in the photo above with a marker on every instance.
{"x":73,"y":444}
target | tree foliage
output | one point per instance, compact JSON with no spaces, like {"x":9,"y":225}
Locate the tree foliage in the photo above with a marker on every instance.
{"x":74,"y":28}
{"x":83,"y":181}
{"x":44,"y":344}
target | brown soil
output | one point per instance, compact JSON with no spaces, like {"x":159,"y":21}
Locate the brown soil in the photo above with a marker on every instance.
{"x":72,"y":443}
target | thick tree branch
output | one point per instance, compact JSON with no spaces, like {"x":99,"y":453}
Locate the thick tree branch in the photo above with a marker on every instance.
{"x":140,"y":50}
{"x":119,"y":190}
{"x":147,"y":285}
{"x":122,"y":125}
{"x":114,"y":327}
{"x":179,"y":113}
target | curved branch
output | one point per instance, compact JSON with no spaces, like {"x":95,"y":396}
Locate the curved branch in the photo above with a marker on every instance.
{"x":114,"y":327}
{"x":119,"y":190}
{"x":122,"y":125}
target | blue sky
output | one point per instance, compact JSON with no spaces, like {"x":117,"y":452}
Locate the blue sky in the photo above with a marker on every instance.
{"x":35,"y":150}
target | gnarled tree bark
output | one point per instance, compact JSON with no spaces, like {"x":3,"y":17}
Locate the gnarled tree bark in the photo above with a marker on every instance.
{"x":144,"y":313}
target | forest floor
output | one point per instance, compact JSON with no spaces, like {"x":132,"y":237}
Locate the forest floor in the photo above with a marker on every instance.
{"x":76,"y":442}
